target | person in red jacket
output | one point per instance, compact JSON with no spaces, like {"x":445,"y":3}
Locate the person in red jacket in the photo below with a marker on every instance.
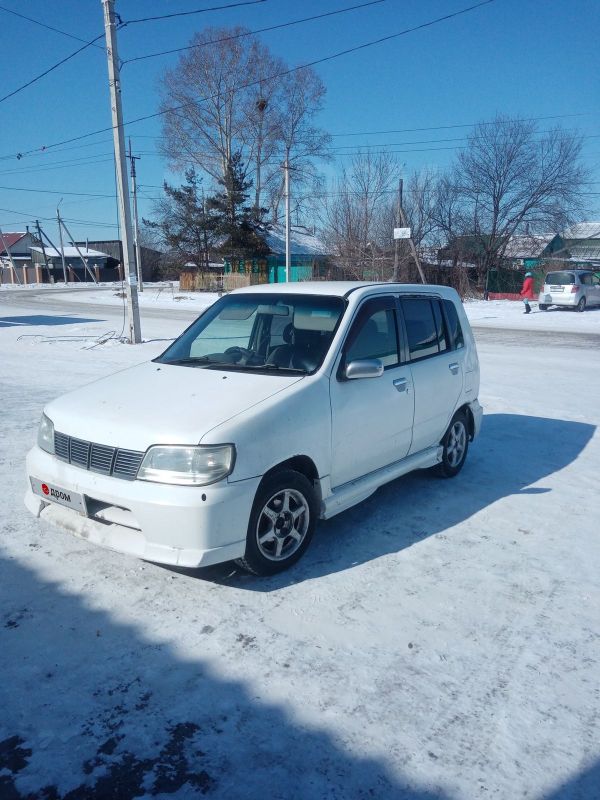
{"x":527,"y":291}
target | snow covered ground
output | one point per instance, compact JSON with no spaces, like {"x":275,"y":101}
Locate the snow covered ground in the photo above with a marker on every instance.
{"x":441,"y":640}
{"x":504,"y":314}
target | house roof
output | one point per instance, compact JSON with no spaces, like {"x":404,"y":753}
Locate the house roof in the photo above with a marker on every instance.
{"x":302,"y":241}
{"x":527,"y":245}
{"x":71,"y":252}
{"x":11,"y":239}
{"x":582,"y":230}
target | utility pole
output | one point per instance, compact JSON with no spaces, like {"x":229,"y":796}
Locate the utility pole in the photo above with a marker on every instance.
{"x":286,"y":168}
{"x":84,"y":260}
{"x":10,"y":258}
{"x":49,"y":240}
{"x":37,"y":225}
{"x":397,"y":241}
{"x":114,"y":82}
{"x":136,"y":232}
{"x":411,"y":243}
{"x":62,"y":249}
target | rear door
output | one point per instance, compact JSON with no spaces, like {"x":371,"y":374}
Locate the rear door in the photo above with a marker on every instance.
{"x":437,"y":367}
{"x":371,"y":418}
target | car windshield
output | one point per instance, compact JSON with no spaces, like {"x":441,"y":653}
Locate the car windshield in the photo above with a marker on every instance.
{"x":263,"y":332}
{"x":560,"y":278}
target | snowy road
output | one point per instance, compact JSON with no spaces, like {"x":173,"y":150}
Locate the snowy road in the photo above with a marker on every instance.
{"x":441,"y":640}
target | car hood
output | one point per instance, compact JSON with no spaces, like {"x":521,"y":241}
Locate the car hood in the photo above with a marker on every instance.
{"x":160,"y":404}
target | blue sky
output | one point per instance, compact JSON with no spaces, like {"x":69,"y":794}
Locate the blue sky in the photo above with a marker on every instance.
{"x":527,"y":58}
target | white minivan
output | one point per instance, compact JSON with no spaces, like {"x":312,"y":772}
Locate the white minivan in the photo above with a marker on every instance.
{"x":279,"y":405}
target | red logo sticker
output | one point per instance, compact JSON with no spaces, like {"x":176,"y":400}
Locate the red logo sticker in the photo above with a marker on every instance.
{"x":45,"y":489}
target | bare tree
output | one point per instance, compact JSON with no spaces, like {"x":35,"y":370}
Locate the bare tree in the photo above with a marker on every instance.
{"x":230,"y":96}
{"x":357,"y":216}
{"x":300,"y":98}
{"x":509,"y":180}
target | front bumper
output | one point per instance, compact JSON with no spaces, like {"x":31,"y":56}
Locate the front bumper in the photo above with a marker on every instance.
{"x":188,"y":526}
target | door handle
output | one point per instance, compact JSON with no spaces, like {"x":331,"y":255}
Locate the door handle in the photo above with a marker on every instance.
{"x":401,"y":384}
{"x":454,"y":367}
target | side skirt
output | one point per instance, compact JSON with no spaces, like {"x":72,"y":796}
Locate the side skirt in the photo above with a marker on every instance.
{"x":353,"y":492}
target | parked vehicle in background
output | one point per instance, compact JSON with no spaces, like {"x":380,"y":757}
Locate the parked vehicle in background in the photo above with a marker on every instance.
{"x":574,"y":288}
{"x":279,"y":405}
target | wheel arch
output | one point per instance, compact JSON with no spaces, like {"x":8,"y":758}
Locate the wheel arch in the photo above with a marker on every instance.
{"x":302,"y":464}
{"x":466,"y":410}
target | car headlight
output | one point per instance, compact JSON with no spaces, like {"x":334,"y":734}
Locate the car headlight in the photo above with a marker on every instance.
{"x":187,"y":466}
{"x":45,"y":437}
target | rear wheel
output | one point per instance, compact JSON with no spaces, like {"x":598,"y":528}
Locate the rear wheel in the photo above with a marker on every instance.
{"x":282,"y":523}
{"x":580,"y":305}
{"x":543,"y":307}
{"x":456,"y":446}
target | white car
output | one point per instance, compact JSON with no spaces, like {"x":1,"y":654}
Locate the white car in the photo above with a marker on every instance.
{"x":574,"y":288}
{"x":280,"y":405}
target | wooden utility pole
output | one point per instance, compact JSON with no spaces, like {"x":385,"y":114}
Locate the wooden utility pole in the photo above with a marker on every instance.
{"x":411,"y":243}
{"x":114,"y":82}
{"x":62,"y":249}
{"x":288,"y":260}
{"x":10,"y":258}
{"x":136,"y":232}
{"x":397,"y":241}
{"x":39,"y":230}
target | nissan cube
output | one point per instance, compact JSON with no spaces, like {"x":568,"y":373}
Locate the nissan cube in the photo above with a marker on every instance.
{"x":280,"y":405}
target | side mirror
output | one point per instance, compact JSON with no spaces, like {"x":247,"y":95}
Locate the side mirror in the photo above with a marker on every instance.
{"x":363,"y":368}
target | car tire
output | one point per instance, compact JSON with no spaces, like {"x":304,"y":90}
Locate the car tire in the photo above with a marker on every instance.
{"x":456,"y":447}
{"x":543,"y":307}
{"x":580,"y":305}
{"x":282,"y":523}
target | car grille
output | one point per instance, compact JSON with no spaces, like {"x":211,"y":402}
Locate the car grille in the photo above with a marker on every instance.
{"x":98,"y":457}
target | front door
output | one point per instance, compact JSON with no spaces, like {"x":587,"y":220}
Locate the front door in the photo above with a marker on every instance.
{"x":371,"y":418}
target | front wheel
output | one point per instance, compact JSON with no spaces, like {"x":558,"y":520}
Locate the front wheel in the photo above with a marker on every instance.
{"x":543,"y":307}
{"x":456,"y":447}
{"x":282,"y":523}
{"x":580,"y":305}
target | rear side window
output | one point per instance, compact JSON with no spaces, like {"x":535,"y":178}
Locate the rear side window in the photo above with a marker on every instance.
{"x":420,"y":327}
{"x":586,"y":279}
{"x":457,"y":339}
{"x":560,"y":278}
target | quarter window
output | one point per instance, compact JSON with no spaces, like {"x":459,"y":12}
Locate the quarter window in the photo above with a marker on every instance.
{"x":457,"y":339}
{"x":374,"y":335}
{"x":440,"y":326}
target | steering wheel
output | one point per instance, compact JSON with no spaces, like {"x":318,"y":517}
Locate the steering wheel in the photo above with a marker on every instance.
{"x":242,"y":351}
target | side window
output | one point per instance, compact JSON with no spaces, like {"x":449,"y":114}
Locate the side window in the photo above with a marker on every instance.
{"x":440,"y":326}
{"x":456,"y":335}
{"x":374,"y":335}
{"x":586,"y":279}
{"x":420,"y":327}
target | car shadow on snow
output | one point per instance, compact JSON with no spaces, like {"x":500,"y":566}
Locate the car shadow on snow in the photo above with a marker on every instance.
{"x":92,"y":708}
{"x":23,"y":321}
{"x":513,"y":452}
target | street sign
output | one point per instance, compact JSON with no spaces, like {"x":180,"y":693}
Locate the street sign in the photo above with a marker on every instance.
{"x":401,"y":233}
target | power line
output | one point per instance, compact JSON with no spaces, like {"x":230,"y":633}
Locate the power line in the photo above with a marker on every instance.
{"x":281,"y":74}
{"x":45,"y":25}
{"x":53,"y":191}
{"x":253,"y":33}
{"x":465,"y":125}
{"x":50,"y":69}
{"x":194,"y":11}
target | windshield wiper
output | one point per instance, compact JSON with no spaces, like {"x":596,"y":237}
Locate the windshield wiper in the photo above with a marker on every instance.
{"x":200,"y":360}
{"x":263,"y":367}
